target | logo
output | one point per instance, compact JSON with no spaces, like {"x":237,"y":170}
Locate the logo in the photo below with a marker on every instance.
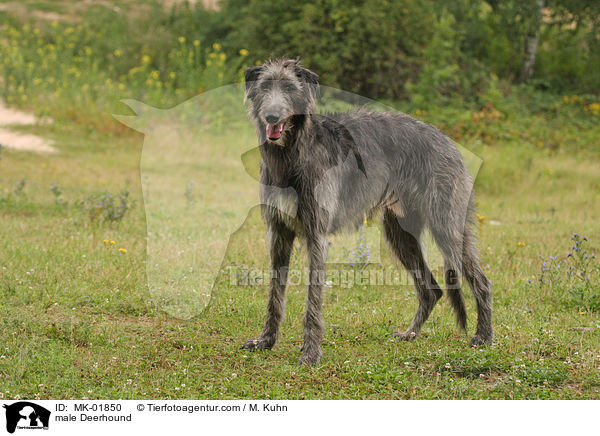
{"x":26,"y":415}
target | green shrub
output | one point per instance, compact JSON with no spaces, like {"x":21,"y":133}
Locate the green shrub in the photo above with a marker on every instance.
{"x":368,"y":47}
{"x":79,"y":72}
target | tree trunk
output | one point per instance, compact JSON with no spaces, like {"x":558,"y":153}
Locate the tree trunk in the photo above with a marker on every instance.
{"x":532,"y":39}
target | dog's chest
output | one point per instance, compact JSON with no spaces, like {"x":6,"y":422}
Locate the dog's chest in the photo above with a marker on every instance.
{"x":282,"y":201}
{"x":289,"y":200}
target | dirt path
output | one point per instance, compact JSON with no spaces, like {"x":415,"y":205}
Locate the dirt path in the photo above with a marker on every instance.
{"x":21,"y":141}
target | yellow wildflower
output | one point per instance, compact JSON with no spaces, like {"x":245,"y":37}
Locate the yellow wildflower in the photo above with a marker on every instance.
{"x":181,"y":39}
{"x":244,"y":52}
{"x":521,"y":244}
{"x":122,"y":250}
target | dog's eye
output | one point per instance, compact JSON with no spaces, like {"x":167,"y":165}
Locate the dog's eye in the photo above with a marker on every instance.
{"x":289,"y":87}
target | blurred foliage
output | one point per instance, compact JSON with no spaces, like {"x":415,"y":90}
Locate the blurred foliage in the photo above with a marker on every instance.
{"x":375,"y":48}
{"x":369,"y":47}
{"x":80,"y":71}
{"x":425,"y":54}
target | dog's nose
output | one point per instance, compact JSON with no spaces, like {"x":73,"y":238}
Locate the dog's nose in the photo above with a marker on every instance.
{"x":272,"y":117}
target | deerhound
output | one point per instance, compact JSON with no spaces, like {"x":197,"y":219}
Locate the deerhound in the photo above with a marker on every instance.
{"x":331,"y":171}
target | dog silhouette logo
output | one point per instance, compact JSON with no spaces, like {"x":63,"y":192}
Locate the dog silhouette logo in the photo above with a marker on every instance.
{"x":26,"y":415}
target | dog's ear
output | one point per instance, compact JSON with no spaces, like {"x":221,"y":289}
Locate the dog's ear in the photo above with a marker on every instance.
{"x":250,"y":78}
{"x":310,"y":78}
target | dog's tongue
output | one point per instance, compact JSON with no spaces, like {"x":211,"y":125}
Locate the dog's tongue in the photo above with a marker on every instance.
{"x":274,"y":130}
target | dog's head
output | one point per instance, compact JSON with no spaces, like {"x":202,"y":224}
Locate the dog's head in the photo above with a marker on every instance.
{"x":280,"y":92}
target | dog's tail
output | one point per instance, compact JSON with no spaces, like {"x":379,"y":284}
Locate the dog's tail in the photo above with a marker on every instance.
{"x":456,"y":299}
{"x":458,"y":305}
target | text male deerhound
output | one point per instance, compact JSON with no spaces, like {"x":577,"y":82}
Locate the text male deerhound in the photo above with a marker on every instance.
{"x":332,"y":170}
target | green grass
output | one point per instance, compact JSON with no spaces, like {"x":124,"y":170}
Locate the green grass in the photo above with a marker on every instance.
{"x":77,"y":319}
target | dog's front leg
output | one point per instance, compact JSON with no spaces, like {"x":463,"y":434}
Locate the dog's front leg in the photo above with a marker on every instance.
{"x":313,"y":319}
{"x":281,"y":241}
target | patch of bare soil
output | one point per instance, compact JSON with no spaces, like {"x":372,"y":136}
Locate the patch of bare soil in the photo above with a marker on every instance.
{"x":21,"y":141}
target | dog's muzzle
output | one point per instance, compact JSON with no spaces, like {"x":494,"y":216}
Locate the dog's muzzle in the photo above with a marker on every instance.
{"x":275,"y":124}
{"x":274,"y":131}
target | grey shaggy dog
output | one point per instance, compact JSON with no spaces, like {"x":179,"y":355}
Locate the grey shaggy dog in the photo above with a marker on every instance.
{"x":334,"y":170}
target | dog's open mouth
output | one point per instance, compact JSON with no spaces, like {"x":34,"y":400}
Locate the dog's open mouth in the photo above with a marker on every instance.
{"x":274,"y":131}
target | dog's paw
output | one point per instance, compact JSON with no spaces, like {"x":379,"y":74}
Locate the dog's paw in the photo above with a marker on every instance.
{"x":310,"y":358}
{"x":408,"y":335}
{"x":258,"y":344}
{"x":480,"y":340}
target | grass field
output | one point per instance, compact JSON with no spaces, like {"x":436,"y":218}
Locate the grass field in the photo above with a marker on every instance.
{"x":77,"y":318}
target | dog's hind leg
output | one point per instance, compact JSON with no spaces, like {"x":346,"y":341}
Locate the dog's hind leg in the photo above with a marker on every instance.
{"x":281,"y":244}
{"x":457,"y":244}
{"x":449,"y":239}
{"x":482,"y":290}
{"x":403,"y":235}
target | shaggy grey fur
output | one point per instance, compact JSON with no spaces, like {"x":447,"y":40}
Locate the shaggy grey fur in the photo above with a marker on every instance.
{"x":343,"y":167}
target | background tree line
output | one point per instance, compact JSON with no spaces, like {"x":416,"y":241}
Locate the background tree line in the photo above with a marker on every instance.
{"x":434,"y":51}
{"x":418,"y":53}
